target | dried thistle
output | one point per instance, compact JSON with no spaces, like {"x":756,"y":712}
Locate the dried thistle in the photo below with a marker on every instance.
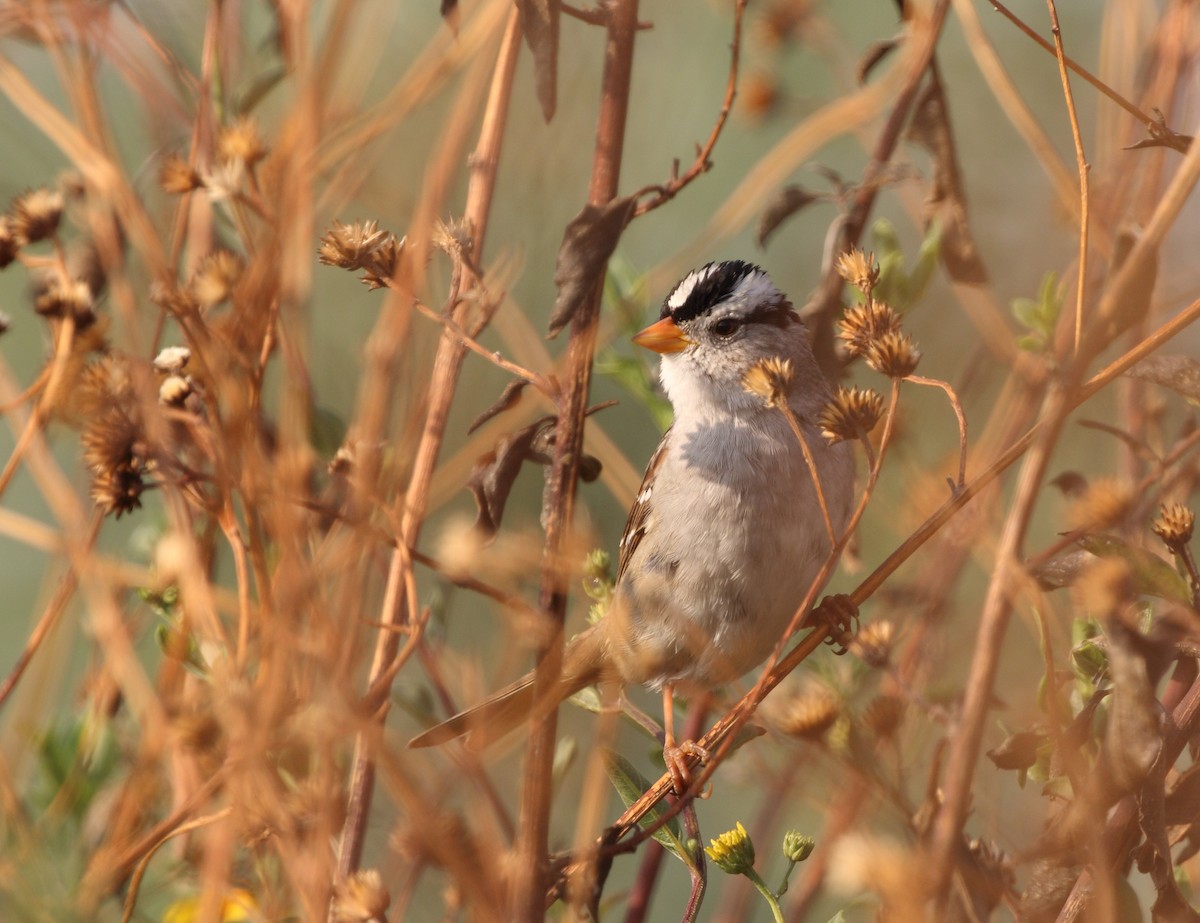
{"x":864,"y":324}
{"x":353,"y":246}
{"x":216,"y":276}
{"x":10,"y":243}
{"x":893,"y":354}
{"x":177,"y":176}
{"x":175,"y":390}
{"x":453,"y":238}
{"x":172,"y":299}
{"x":361,"y":898}
{"x":59,"y":297}
{"x":239,"y":143}
{"x":769,"y":379}
{"x":1174,"y":526}
{"x":1105,"y":503}
{"x":859,"y":269}
{"x":36,"y":213}
{"x":853,"y":412}
{"x":873,"y":644}
{"x":118,"y":458}
{"x":882,"y":717}
{"x":809,"y":715}
{"x":172,"y":359}
{"x":384,"y":262}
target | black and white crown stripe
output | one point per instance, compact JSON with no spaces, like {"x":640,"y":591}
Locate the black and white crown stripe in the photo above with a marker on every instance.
{"x":701,"y":289}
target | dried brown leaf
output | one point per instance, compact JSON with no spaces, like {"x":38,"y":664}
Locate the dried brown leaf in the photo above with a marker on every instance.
{"x":1179,"y":373}
{"x":508,"y":399}
{"x":495,"y":472}
{"x":588,"y":242}
{"x":786,"y":202}
{"x":874,"y":54}
{"x":539,"y":24}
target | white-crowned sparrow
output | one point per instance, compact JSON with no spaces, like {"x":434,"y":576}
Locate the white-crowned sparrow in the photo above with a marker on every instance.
{"x":726,"y":534}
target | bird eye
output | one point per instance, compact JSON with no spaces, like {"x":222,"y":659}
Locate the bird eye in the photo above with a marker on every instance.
{"x":725,"y":327}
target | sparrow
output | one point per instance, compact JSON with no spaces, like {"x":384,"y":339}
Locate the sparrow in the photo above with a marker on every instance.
{"x":726,"y":535}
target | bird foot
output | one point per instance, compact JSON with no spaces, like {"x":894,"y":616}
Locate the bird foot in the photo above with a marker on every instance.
{"x":681,"y":760}
{"x":840,"y":613}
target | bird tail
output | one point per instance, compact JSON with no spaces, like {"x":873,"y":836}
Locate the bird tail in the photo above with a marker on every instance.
{"x":496,"y":716}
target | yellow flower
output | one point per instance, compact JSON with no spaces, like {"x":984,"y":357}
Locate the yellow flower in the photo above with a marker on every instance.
{"x":238,"y":906}
{"x":733,"y":851}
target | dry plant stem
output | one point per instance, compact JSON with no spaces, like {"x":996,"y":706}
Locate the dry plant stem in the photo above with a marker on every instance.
{"x":873,"y":581}
{"x":812,"y":470}
{"x":67,"y":585}
{"x":529,"y":886}
{"x":1068,"y":63}
{"x":139,"y":872}
{"x":1081,"y":163}
{"x":962,"y":422}
{"x":993,"y":624}
{"x":447,"y":364}
{"x":702,"y":164}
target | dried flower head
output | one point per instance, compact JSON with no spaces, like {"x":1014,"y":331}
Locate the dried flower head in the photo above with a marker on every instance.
{"x":172,"y":359}
{"x":36,"y":213}
{"x":809,"y":715}
{"x":733,"y":851}
{"x":852,"y":413}
{"x":1174,"y":525}
{"x":1105,"y":503}
{"x":893,"y":354}
{"x":10,"y":243}
{"x":859,"y":269}
{"x":873,"y":643}
{"x":352,"y":246}
{"x":453,"y":237}
{"x":883,"y":715}
{"x":239,"y":143}
{"x":177,"y":176}
{"x":770,"y":379}
{"x":119,"y":461}
{"x":863,"y":324}
{"x":216,"y":276}
{"x":175,"y":390}
{"x":173,"y":299}
{"x":361,"y":898}
{"x":59,"y":297}
{"x":383,"y":262}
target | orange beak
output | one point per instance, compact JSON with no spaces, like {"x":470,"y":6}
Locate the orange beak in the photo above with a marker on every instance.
{"x":663,"y":337}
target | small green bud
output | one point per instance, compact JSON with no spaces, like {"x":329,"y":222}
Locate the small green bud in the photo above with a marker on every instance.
{"x":733,"y":851}
{"x":797,"y":847}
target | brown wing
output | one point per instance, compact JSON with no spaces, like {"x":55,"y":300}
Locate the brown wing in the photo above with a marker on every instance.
{"x":639,"y":513}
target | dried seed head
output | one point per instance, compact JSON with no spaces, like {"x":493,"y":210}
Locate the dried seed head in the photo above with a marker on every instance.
{"x":35,"y":214}
{"x":384,"y":261}
{"x":176,"y":176}
{"x":216,"y":276}
{"x":733,"y":851}
{"x":10,"y":243}
{"x":809,"y":715}
{"x":239,"y":143}
{"x":863,"y":324}
{"x":883,"y":715}
{"x":859,"y":269}
{"x":172,"y":359}
{"x":60,"y":297}
{"x":174,"y":390}
{"x":352,"y":246}
{"x":770,"y":379}
{"x":874,"y":642}
{"x":116,"y":454}
{"x":853,"y":412}
{"x":361,"y":898}
{"x":172,"y":299}
{"x":1105,"y":503}
{"x":893,"y":354}
{"x":453,"y":238}
{"x":1174,"y":525}
{"x":759,"y":95}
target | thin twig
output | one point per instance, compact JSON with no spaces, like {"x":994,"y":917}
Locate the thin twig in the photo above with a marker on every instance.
{"x":1083,"y":166}
{"x":962,"y":422}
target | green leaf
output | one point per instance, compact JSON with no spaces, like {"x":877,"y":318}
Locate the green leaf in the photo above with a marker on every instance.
{"x":1151,"y":574}
{"x":631,"y":785}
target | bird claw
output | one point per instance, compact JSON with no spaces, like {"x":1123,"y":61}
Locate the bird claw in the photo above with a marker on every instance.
{"x":680,"y":760}
{"x":840,"y":613}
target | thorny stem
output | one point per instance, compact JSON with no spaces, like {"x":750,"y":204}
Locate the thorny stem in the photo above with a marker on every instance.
{"x":447,"y":364}
{"x":1084,"y":168}
{"x":533,"y":826}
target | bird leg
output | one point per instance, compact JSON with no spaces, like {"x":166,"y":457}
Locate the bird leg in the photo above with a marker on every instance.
{"x":840,"y":613}
{"x":679,"y":758}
